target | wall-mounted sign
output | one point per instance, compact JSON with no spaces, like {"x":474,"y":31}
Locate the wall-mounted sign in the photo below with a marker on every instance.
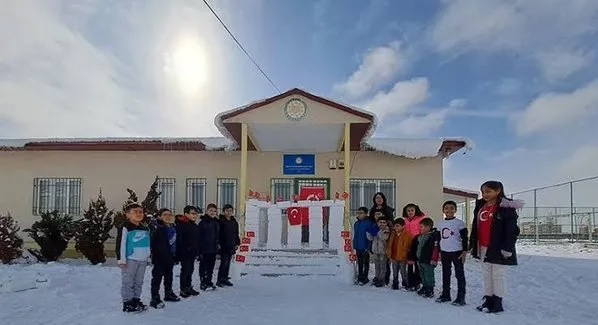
{"x":336,"y":164}
{"x":299,"y":164}
{"x":295,"y":109}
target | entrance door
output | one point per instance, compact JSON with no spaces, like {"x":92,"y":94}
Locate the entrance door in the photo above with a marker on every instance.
{"x":284,"y":188}
{"x":315,"y":183}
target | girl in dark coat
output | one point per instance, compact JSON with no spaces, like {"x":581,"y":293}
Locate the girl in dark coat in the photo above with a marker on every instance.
{"x":380,"y":205}
{"x":493,"y":236}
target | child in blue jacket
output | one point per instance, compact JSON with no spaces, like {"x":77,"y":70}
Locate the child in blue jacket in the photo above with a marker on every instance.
{"x":362,"y":245}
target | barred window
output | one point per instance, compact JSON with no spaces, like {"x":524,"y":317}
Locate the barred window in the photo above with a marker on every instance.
{"x":363,"y":191}
{"x":196,"y":192}
{"x":281,"y":187}
{"x":227,"y":192}
{"x":62,"y":194}
{"x":166,"y":186}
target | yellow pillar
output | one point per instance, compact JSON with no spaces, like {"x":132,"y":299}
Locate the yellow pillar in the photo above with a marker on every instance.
{"x":243,"y":180}
{"x":467,"y":213}
{"x":346,"y":221}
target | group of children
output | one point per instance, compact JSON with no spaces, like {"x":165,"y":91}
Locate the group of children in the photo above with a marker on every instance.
{"x":168,"y":240}
{"x":412,"y":247}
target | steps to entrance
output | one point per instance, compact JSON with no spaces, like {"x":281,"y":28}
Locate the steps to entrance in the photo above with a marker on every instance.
{"x":292,"y":262}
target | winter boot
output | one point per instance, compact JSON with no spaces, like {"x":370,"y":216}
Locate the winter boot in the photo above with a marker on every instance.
{"x":227,"y":283}
{"x":444,"y":298}
{"x":203,"y":286}
{"x":460,"y":301}
{"x":395,"y":285}
{"x":421,"y":291}
{"x":496,"y":306}
{"x":193,"y":292}
{"x":140,"y":305}
{"x":171,"y":296}
{"x":487,"y":301}
{"x":156,"y":303}
{"x":130,"y":307}
{"x":429,"y":293}
{"x":211,"y":285}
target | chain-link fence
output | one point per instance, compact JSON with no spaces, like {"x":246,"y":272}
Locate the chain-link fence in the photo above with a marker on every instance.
{"x":561,"y":212}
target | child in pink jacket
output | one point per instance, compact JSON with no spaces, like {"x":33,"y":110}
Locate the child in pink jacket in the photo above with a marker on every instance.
{"x":413,"y":215}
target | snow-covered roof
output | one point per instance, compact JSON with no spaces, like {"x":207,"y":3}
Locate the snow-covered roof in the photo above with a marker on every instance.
{"x":461,"y":192}
{"x":404,"y":147}
{"x":210,"y":143}
{"x":413,"y":147}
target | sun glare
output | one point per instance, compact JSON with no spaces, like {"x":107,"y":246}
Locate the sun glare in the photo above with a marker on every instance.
{"x":187,"y":62}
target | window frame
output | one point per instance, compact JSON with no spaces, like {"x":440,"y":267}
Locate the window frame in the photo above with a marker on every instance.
{"x":367,"y":202}
{"x":70,"y":207}
{"x":171,"y":182}
{"x":219,"y":195}
{"x":189,"y":183}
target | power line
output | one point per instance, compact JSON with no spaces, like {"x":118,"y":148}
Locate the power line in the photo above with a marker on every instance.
{"x":241,"y":46}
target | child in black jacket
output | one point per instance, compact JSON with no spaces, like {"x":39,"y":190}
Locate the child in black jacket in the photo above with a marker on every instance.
{"x":163,"y":249}
{"x":209,"y":242}
{"x":187,"y":247}
{"x":425,"y":251}
{"x":229,"y":243}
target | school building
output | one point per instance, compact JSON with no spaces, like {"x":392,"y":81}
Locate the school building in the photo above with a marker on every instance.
{"x":277,"y":147}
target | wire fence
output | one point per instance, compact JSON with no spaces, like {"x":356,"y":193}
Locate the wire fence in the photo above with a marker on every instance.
{"x":561,"y":212}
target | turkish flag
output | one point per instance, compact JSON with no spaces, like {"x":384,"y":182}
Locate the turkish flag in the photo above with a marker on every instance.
{"x":310,"y":194}
{"x":294,"y":215}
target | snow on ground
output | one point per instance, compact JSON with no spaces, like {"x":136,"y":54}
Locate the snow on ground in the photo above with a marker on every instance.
{"x":542,"y":290}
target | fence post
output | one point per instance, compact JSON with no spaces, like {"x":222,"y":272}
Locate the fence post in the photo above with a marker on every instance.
{"x":591,"y":224}
{"x":536,"y":223}
{"x":571,"y":209}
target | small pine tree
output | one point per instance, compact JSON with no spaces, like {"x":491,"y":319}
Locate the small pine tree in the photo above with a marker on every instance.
{"x":119,"y":216}
{"x":150,"y":203}
{"x":93,"y":230}
{"x":52,"y":234}
{"x":11,"y":245}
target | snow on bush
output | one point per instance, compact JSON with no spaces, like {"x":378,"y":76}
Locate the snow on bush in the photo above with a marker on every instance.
{"x":52,"y":233}
{"x":11,"y":245}
{"x":92,"y":231}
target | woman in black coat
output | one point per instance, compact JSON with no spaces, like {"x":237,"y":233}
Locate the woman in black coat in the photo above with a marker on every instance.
{"x":493,"y":236}
{"x":380,"y":205}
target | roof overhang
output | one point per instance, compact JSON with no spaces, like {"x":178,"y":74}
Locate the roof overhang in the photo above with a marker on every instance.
{"x":463,"y":193}
{"x":285,"y":137}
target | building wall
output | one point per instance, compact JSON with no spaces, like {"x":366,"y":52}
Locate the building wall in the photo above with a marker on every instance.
{"x":417,"y":181}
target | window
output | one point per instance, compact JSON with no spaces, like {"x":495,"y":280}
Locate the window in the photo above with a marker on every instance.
{"x":227,"y":192}
{"x":62,"y":194}
{"x":166,"y":187}
{"x":196,"y":192}
{"x":363,"y":191}
{"x":281,"y":187}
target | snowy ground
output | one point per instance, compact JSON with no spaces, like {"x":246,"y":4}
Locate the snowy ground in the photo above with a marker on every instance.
{"x":543,"y":290}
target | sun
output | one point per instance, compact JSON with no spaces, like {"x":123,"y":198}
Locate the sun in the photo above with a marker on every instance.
{"x":187,"y":63}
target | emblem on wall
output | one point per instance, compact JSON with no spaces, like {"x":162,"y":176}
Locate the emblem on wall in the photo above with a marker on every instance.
{"x":295,"y":109}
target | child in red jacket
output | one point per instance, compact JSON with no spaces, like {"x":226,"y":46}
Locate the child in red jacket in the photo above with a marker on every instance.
{"x":413,"y":215}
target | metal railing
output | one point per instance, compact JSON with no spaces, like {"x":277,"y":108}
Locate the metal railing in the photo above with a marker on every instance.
{"x":565,"y":211}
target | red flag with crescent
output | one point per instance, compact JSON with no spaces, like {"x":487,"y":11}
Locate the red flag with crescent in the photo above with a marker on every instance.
{"x":315,"y":193}
{"x":294,"y":216}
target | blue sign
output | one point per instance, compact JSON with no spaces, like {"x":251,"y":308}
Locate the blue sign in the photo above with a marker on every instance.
{"x":299,"y":164}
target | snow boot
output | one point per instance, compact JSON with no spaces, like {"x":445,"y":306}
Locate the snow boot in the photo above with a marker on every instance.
{"x":429,"y":293}
{"x":496,"y":306}
{"x":443,"y":298}
{"x":395,"y":285}
{"x":156,"y":303}
{"x":140,"y":305}
{"x":487,"y":302}
{"x":227,"y":283}
{"x":460,"y":301}
{"x":130,"y":307}
{"x":193,"y":292}
{"x":171,"y":296}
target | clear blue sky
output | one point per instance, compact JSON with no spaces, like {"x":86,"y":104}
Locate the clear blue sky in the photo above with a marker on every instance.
{"x":517,"y":77}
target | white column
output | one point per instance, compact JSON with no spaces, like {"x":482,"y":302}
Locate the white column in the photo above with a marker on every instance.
{"x":252,"y":222}
{"x":335,"y":226}
{"x":294,"y":237}
{"x":274,"y":228}
{"x":315,"y":227}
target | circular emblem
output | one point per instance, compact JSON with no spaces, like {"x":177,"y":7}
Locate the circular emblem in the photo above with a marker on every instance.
{"x":298,"y":161}
{"x":295,"y":109}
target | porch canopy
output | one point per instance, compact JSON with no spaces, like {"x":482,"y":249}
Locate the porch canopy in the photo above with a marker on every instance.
{"x":297,"y":122}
